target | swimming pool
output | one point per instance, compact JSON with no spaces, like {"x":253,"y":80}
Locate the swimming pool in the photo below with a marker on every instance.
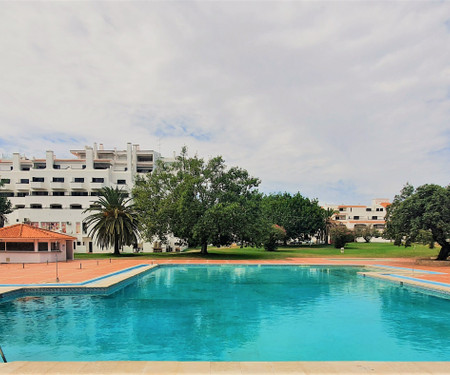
{"x":233,"y":313}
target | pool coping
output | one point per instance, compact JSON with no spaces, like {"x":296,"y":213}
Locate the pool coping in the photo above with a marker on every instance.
{"x":100,"y":285}
{"x":231,"y":368}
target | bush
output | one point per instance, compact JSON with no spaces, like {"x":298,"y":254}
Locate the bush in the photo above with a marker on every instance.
{"x":340,"y":235}
{"x":274,"y":234}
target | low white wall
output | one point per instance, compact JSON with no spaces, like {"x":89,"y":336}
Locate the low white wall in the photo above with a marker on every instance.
{"x":32,"y":256}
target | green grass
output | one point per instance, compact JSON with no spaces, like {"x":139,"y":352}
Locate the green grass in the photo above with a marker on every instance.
{"x":352,"y":250}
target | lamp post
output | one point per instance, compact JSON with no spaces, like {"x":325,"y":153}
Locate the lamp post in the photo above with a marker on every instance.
{"x":57,"y":278}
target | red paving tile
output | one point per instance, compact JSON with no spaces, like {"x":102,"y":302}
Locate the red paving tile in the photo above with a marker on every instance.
{"x":83,"y":270}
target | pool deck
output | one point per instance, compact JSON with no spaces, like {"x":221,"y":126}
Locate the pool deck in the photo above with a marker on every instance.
{"x":229,"y":368}
{"x":105,"y":273}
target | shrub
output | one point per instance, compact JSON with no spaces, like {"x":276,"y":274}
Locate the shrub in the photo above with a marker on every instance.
{"x":274,"y":234}
{"x":340,"y":235}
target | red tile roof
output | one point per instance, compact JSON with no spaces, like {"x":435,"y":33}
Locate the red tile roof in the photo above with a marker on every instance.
{"x":25,"y":231}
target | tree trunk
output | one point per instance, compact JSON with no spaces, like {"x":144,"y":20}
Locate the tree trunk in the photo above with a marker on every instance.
{"x":116,"y":246}
{"x":204,"y":250}
{"x":445,"y":251}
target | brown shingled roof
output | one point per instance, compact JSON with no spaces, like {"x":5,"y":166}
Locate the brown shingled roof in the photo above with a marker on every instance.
{"x":25,"y":231}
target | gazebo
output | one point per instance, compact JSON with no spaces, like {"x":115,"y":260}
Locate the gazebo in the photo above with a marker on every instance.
{"x":22,"y":243}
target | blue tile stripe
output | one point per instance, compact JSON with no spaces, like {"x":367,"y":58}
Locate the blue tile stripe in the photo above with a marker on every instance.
{"x":418,"y":280}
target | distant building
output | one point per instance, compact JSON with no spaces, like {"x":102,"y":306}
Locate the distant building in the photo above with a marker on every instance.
{"x":21,"y":243}
{"x":361,"y":216}
{"x":52,"y":193}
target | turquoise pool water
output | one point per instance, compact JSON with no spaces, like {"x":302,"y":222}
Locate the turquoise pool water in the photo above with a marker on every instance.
{"x":233,"y":313}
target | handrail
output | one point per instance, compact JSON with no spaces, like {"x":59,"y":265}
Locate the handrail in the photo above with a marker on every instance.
{"x":3,"y":355}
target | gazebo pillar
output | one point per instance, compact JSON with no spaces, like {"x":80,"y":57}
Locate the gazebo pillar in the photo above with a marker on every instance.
{"x":36,"y":245}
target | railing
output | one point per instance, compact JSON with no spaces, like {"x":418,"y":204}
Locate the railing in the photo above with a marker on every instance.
{"x":3,"y":355}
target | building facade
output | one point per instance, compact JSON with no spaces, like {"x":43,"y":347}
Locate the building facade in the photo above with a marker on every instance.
{"x":354,"y":217}
{"x":52,"y":193}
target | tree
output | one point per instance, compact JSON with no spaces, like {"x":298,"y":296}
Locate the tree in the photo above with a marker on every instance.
{"x":340,"y":235}
{"x":272,"y":236}
{"x":5,"y":209}
{"x":426,"y":208}
{"x":113,"y":220}
{"x":367,"y":232}
{"x":199,"y":202}
{"x":299,"y":216}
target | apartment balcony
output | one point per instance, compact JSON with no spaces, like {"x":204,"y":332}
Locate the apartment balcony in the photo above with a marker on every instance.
{"x":77,"y":186}
{"x":37,"y":185}
{"x":96,"y":185}
{"x":22,"y":186}
{"x":57,"y":186}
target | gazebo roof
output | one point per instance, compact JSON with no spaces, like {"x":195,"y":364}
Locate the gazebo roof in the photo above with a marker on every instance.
{"x":28,"y":232}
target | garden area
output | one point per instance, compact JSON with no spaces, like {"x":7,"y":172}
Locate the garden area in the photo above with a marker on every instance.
{"x":352,"y":250}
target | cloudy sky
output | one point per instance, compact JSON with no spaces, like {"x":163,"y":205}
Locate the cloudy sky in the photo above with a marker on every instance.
{"x":342,"y":101}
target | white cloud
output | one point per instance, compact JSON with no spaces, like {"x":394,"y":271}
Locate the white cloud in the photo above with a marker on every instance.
{"x":342,"y":101}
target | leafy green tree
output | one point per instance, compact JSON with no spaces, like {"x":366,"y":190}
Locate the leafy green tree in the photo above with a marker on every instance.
{"x":341,"y":235}
{"x":273,"y":235}
{"x":113,"y":220}
{"x":425,"y":208}
{"x":299,"y":216}
{"x":367,"y":233}
{"x":199,"y":202}
{"x":5,"y":209}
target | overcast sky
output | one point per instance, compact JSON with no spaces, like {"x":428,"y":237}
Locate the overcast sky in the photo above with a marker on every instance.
{"x":342,"y":101}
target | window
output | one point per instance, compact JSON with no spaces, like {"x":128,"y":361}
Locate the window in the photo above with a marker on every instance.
{"x":355,"y":217}
{"x":18,"y":246}
{"x":59,"y":193}
{"x":95,"y":193}
{"x":38,"y":179}
{"x":95,"y":206}
{"x":56,"y":166}
{"x":145,"y":158}
{"x":54,"y":246}
{"x":24,"y":181}
{"x":23,"y":194}
{"x":58,"y":179}
{"x":379,"y":209}
{"x":42,"y":246}
{"x":17,"y":206}
{"x":78,"y":193}
{"x":25,"y":168}
{"x":144,"y":170}
{"x":39,"y":193}
{"x":78,"y":179}
{"x":5,"y":181}
{"x":56,"y":206}
{"x":35,"y":205}
{"x":6,"y":194}
{"x":98,"y":179}
{"x":341,"y":209}
{"x":374,"y":217}
{"x":121,"y":182}
{"x":79,"y":243}
{"x":39,"y":166}
{"x":76,"y":207}
{"x":368,"y":209}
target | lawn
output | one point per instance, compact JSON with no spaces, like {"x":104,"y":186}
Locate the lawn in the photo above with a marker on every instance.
{"x":352,"y":250}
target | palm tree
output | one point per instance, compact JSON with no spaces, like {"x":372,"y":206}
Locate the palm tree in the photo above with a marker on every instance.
{"x":328,"y":216}
{"x":113,"y":220}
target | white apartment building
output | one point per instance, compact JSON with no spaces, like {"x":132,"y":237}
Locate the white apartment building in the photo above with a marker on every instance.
{"x":361,"y":216}
{"x":52,"y":193}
